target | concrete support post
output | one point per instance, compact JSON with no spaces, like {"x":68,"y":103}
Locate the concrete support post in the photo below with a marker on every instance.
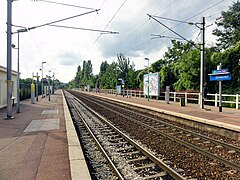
{"x":9,"y":60}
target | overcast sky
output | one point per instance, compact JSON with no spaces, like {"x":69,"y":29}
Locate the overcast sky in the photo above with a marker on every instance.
{"x":64,"y":49}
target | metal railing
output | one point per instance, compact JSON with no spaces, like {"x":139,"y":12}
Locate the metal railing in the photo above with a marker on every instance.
{"x":229,"y":100}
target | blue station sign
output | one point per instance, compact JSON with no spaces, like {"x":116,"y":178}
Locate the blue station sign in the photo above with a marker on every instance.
{"x":219,"y":71}
{"x":220,"y":75}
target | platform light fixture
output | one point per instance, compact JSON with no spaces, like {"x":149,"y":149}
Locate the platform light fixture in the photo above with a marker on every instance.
{"x":147,"y":59}
{"x":18,"y":73}
{"x":42,"y":76}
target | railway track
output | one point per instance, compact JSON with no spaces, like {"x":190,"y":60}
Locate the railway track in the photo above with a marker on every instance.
{"x":219,"y":153}
{"x":127,"y":159}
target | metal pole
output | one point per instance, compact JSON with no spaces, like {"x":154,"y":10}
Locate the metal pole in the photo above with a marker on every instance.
{"x":202,"y":64}
{"x":220,"y":96}
{"x":49,"y":88}
{"x":148,"y":79}
{"x":53,"y":77}
{"x":18,"y":75}
{"x":37,"y":87}
{"x":9,"y":60}
{"x":42,"y":79}
{"x":116,"y":81}
{"x":220,"y":90}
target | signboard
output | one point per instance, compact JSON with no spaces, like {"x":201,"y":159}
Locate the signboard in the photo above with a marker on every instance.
{"x":220,"y":71}
{"x":220,"y":75}
{"x":154,"y":81}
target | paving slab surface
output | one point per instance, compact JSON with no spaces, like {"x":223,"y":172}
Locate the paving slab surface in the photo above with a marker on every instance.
{"x":34,"y":144}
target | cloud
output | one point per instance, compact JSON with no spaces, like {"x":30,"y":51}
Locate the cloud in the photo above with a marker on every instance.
{"x":65,"y":49}
{"x":69,"y":58}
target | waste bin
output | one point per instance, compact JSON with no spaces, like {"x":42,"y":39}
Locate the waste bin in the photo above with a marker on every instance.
{"x":182,"y":101}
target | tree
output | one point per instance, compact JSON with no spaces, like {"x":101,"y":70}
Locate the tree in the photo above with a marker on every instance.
{"x":167,"y":77}
{"x":124,"y":67}
{"x":230,"y":59}
{"x":157,"y":66}
{"x":78,"y":76}
{"x":86,"y":72}
{"x":103,"y":68}
{"x":108,"y":79}
{"x":229,"y":24}
{"x":140,"y":75}
{"x":188,"y":69}
{"x":131,"y":78}
{"x":175,"y":53}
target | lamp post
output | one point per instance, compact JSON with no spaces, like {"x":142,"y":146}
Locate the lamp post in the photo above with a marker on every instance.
{"x":18,"y":73}
{"x":53,"y":78}
{"x":42,"y":77}
{"x":147,"y":59}
{"x":49,"y":92}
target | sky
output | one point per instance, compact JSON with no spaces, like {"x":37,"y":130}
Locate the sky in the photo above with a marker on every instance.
{"x":64,"y":49}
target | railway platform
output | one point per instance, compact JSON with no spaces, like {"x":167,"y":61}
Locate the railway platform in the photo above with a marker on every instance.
{"x":229,"y":118}
{"x":41,"y":142}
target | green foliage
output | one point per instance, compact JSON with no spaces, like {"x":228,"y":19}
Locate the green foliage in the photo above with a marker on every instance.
{"x":180,"y":65}
{"x":230,"y":59}
{"x":140,"y":77}
{"x":176,"y":51}
{"x":158,"y":65}
{"x":188,"y":68}
{"x":166,"y":76}
{"x":78,"y":77}
{"x":228,"y":31}
{"x":103,"y":68}
{"x":108,"y":79}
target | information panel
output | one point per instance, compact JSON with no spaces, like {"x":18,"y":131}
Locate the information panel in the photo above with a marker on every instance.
{"x":154,"y":87}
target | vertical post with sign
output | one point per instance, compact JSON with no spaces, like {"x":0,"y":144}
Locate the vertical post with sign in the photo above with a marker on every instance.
{"x":220,"y":90}
{"x":220,"y":75}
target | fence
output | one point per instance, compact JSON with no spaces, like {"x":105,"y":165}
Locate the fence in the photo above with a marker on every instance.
{"x":228,"y":100}
{"x":25,"y":91}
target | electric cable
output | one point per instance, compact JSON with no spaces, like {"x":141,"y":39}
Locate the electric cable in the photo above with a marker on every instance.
{"x":86,"y":29}
{"x":34,"y":27}
{"x":70,"y":5}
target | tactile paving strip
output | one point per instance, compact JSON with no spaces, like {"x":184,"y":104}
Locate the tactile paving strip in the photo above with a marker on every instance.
{"x":42,"y":125}
{"x":52,"y":111}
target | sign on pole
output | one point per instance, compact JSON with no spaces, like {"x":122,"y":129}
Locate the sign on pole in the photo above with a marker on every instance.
{"x":220,"y":75}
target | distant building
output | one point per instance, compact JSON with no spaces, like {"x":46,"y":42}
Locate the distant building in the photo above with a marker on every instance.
{"x":3,"y":86}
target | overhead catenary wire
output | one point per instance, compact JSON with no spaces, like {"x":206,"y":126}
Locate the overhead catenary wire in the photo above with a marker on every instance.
{"x":160,"y":36}
{"x":141,"y":26}
{"x":206,"y":9}
{"x":64,"y":4}
{"x":150,"y":16}
{"x":85,"y":29}
{"x":170,"y":19}
{"x":196,"y":14}
{"x":105,"y":27}
{"x":64,"y":19}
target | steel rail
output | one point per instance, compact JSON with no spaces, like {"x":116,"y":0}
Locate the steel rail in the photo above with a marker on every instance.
{"x":232,"y":147}
{"x":159,"y":162}
{"x":209,"y":154}
{"x":117,"y":173}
